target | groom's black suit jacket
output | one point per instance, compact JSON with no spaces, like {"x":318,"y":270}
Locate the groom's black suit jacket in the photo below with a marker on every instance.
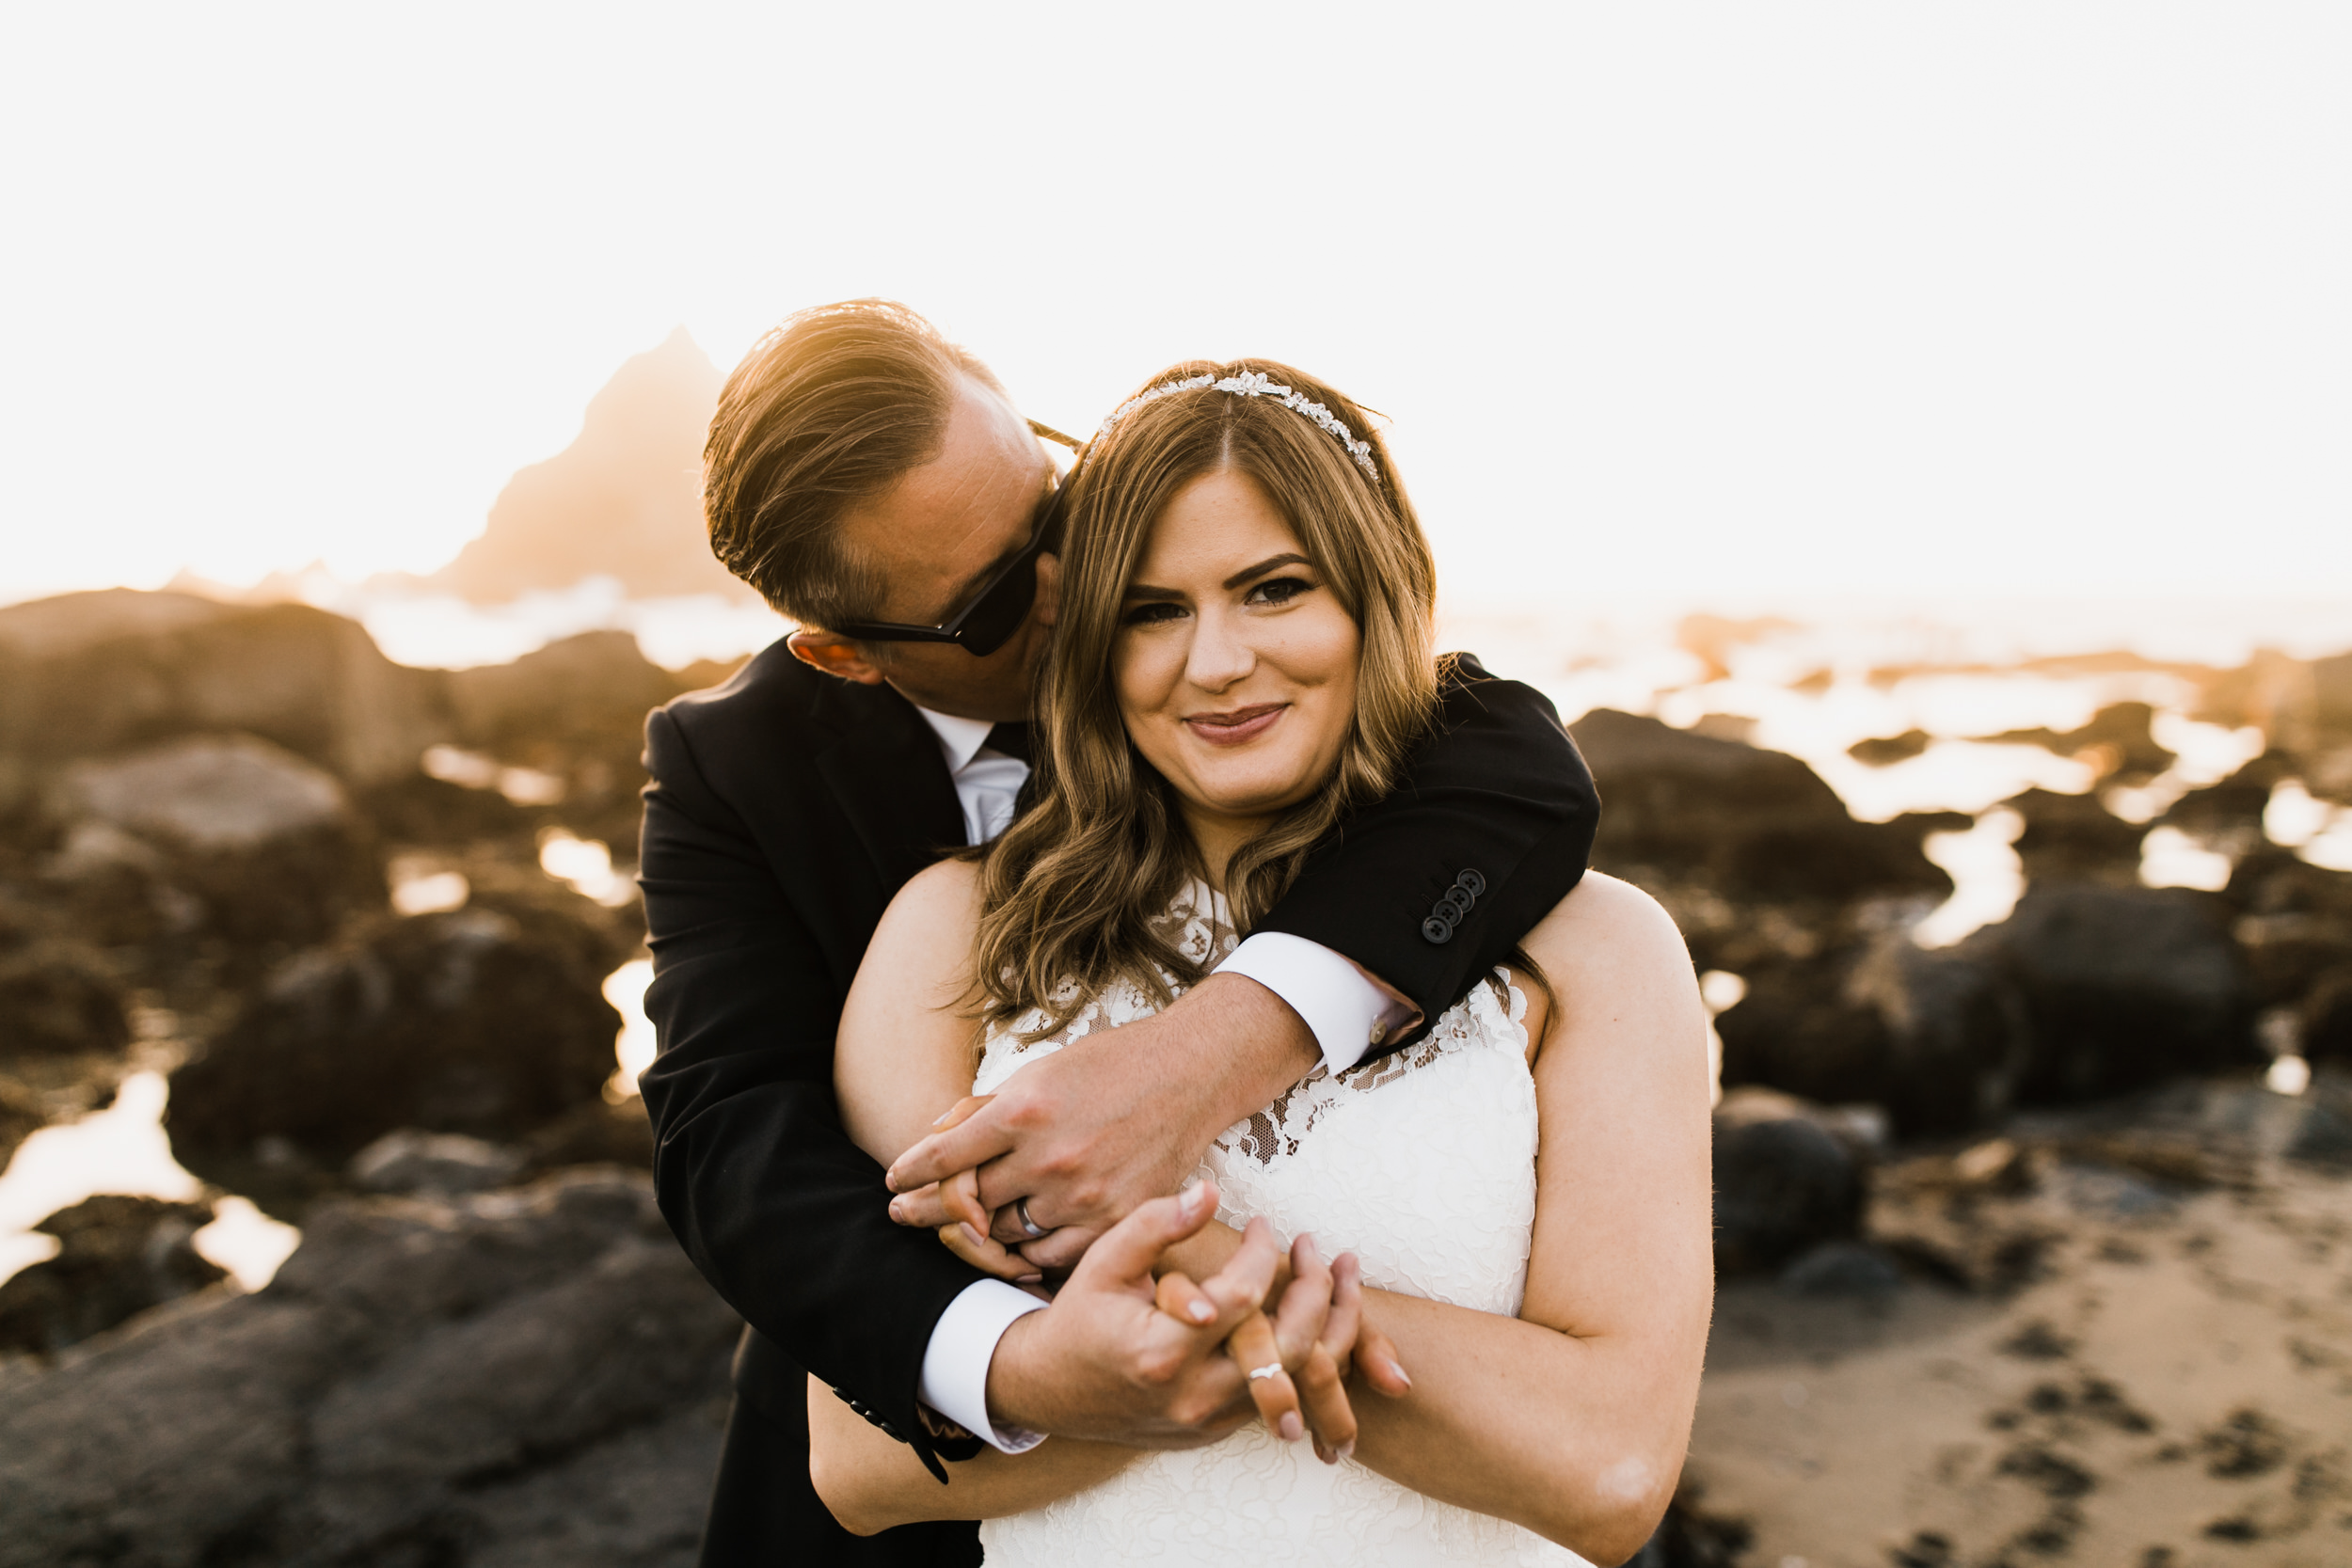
{"x":785,"y":809}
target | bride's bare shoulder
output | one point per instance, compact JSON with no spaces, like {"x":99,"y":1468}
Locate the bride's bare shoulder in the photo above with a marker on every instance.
{"x":939,"y":905}
{"x":1606,"y":926}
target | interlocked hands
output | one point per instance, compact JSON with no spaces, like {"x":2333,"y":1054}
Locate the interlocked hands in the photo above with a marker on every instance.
{"x":1131,"y":1352}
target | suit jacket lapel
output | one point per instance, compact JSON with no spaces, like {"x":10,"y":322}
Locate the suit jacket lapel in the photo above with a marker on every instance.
{"x":891,"y":781}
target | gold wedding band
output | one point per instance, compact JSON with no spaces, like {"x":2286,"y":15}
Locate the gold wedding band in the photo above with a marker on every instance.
{"x":1268,"y":1370}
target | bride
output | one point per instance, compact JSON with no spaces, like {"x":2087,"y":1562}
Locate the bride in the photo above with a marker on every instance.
{"x":1244,"y":656}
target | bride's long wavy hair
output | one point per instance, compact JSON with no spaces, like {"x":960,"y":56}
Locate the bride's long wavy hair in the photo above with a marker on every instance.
{"x":1077,"y":889}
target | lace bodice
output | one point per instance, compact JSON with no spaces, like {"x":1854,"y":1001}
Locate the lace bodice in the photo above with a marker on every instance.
{"x":1422,"y":1163}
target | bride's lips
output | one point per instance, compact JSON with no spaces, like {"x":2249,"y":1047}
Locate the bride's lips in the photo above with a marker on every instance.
{"x":1236,"y":728}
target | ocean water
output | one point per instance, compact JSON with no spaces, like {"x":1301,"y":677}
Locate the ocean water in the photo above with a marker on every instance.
{"x":1809,"y":678}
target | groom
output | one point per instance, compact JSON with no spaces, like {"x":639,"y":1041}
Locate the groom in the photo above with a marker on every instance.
{"x":875,"y":484}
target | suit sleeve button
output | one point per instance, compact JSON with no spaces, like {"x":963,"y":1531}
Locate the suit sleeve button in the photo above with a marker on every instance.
{"x":1437,"y":930}
{"x":1472,"y":883}
{"x":1456,"y":899}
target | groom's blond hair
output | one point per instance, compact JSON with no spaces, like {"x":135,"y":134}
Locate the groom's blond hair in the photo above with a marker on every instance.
{"x":834,"y":406}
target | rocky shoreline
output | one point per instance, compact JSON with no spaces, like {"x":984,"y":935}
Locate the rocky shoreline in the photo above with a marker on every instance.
{"x":240,"y":847}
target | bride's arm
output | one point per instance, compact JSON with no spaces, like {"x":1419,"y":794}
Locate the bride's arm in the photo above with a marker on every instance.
{"x":904,"y":1054}
{"x":1573,"y":1418}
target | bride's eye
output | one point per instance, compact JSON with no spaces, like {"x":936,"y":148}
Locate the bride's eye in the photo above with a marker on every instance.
{"x":1278,"y":590}
{"x":1155,"y":613}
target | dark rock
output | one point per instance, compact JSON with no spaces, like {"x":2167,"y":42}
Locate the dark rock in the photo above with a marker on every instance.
{"x":117,"y":1257}
{"x":1750,"y":823}
{"x":22,"y":1115}
{"x":528,"y":1377}
{"x":2250,"y":1443}
{"x":2287,"y":955}
{"x":2323,"y":1138}
{"x":57,"y":998}
{"x":1958,"y":1218}
{"x":2116,"y":743}
{"x":1938,"y":1037}
{"x":2272,"y":880}
{"x":262,"y":844}
{"x":573,"y":709}
{"x":1891,"y":749}
{"x":1842,"y":1269}
{"x":594,"y":1133}
{"x":2331,"y":693}
{"x":410,"y":1161}
{"x":2326,"y":1016}
{"x":2232,"y":811}
{"x":487,"y":1020}
{"x":423,"y":810}
{"x":2125,"y":987}
{"x":2073,"y":837}
{"x":1691,"y":1536}
{"x":1784,"y":1184}
{"x":89,"y":674}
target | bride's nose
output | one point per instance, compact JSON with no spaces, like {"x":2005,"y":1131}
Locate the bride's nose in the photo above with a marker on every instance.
{"x":1220,"y":655}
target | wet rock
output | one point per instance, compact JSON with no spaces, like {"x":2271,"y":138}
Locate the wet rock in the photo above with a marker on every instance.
{"x":576,"y":710}
{"x":2323,"y":1138}
{"x":2326,"y":1016}
{"x":487,"y":1020}
{"x":2125,"y":987}
{"x":262,"y":842}
{"x":410,"y":1161}
{"x":426,"y":810}
{"x":522,"y":1377}
{"x":1843,"y":1268}
{"x":1939,"y":1037}
{"x":1960,"y":1218}
{"x":22,"y":1115}
{"x":596,"y":1133}
{"x":59,"y":998}
{"x":2232,"y":811}
{"x":117,"y":1257}
{"x":1693,"y":1536}
{"x":1784,"y":1183}
{"x":2073,"y":837}
{"x":1889,"y":749}
{"x":89,"y":674}
{"x":1748,"y":823}
{"x":2118,"y":743}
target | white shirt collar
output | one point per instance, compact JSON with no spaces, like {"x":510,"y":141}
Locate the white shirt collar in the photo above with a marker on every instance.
{"x":959,"y":739}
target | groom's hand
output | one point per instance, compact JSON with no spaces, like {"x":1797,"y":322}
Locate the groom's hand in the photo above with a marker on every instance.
{"x":1106,"y":1362}
{"x":1112,"y":1119}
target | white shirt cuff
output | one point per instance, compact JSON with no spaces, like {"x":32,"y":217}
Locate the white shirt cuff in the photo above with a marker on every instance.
{"x":955,"y":1363}
{"x":1347,"y":1009}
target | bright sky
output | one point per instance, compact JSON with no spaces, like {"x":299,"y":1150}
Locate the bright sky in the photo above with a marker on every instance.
{"x":1720,"y":298}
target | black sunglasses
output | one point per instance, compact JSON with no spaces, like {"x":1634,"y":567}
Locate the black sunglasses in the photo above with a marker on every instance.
{"x":990,"y":617}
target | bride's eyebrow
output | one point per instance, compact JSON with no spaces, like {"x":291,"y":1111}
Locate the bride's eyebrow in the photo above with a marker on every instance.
{"x":1268,"y":564}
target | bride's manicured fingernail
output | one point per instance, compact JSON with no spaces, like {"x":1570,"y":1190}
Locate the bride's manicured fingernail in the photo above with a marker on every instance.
{"x":1398,"y":1367}
{"x":1029,"y":1279}
{"x":1200,"y":1311}
{"x":1347,"y":1450}
{"x":971,"y":1235}
{"x":1292,"y":1427}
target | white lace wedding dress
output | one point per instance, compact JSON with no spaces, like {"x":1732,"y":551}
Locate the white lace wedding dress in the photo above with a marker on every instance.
{"x":1424,"y":1164}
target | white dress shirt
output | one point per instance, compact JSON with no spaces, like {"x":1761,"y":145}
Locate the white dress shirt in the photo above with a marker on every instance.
{"x":1347,"y":1009}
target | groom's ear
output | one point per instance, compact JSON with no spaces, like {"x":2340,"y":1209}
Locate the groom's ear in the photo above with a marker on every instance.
{"x":834,"y":655}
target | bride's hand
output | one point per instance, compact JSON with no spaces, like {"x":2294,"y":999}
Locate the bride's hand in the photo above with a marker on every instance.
{"x":1303,"y":1353}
